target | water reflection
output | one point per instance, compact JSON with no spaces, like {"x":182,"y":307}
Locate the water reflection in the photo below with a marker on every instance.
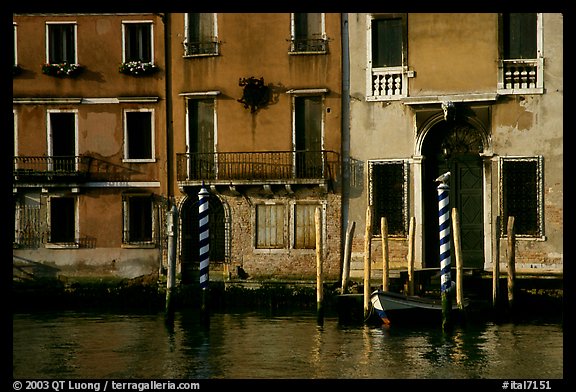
{"x":252,"y":345}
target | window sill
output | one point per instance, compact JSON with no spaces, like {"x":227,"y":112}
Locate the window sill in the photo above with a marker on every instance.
{"x":196,"y":55}
{"x":296,"y":53}
{"x":71,"y":245}
{"x":138,"y":246}
{"x":127,"y":160}
{"x":520,"y":91}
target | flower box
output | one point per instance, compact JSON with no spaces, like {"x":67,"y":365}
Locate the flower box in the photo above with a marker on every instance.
{"x":62,"y":70}
{"x":137,"y":68}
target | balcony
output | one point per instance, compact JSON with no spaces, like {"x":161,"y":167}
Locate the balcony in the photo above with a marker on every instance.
{"x":523,"y":76}
{"x":43,"y":168}
{"x":258,"y":168}
{"x":308,"y":45}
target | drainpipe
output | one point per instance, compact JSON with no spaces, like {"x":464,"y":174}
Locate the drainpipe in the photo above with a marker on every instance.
{"x":345,"y":136}
{"x":169,"y":130}
{"x":168,"y":104}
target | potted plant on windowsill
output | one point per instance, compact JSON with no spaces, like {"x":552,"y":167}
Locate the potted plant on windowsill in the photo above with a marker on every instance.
{"x":62,"y":69}
{"x":138,"y":68}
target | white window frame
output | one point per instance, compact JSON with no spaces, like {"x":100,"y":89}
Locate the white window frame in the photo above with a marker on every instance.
{"x":539,"y":159}
{"x":48,"y":24}
{"x":152,"y":136}
{"x":126,"y":242}
{"x":323,"y":36}
{"x":322,"y":204}
{"x":127,"y":22}
{"x":58,"y":245}
{"x":392,"y":74}
{"x":319,"y":92}
{"x":214,"y":37}
{"x":285,"y":227}
{"x":406,"y":186}
{"x":538,"y":62}
{"x":49,"y":134}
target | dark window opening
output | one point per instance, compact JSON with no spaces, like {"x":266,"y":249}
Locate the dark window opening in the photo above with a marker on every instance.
{"x":388,"y":197}
{"x":61,"y":44}
{"x":520,"y":191}
{"x":308,"y":34}
{"x":387,"y":39}
{"x":138,"y":42}
{"x":63,"y":129}
{"x":139,"y":135}
{"x":520,"y":36}
{"x":308,"y":132}
{"x":62,"y":220}
{"x":140,"y":219}
{"x":200,"y":36}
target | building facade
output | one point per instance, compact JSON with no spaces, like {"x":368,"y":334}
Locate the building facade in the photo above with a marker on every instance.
{"x":117,"y":117}
{"x":89,"y":144}
{"x":255,"y":103}
{"x":478,"y":95}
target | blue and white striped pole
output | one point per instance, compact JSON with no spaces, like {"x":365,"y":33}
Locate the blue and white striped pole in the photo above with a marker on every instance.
{"x":444,"y":229}
{"x":204,"y":242}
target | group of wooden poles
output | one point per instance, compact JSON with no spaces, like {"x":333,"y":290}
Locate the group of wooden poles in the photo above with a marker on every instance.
{"x":410,"y":259}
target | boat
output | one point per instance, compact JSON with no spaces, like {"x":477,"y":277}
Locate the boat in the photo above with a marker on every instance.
{"x":391,"y":307}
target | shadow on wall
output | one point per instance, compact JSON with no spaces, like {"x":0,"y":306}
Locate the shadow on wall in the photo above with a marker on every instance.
{"x":26,"y":269}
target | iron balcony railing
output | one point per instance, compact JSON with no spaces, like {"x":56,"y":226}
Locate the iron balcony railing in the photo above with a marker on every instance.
{"x":299,"y":45}
{"x":27,"y":167}
{"x":258,"y":166}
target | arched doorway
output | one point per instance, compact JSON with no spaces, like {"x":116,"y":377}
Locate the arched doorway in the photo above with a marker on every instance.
{"x":455,"y":147}
{"x":189,"y":250}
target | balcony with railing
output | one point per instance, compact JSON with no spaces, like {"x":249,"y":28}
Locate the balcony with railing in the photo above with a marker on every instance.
{"x":258,"y":168}
{"x":50,"y":168}
{"x":308,"y":45}
{"x":521,"y":76}
{"x":200,"y":48}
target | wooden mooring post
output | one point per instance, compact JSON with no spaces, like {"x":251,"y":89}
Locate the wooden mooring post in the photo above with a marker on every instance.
{"x":511,"y":258}
{"x":385,"y":260}
{"x":459,"y":261}
{"x":319,"y":275}
{"x":367,"y":258}
{"x":496,"y":262}
{"x":347,"y":256}
{"x":410,"y":257}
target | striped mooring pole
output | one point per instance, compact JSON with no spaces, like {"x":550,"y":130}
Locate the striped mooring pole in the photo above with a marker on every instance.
{"x":444,"y":228}
{"x":204,"y":241}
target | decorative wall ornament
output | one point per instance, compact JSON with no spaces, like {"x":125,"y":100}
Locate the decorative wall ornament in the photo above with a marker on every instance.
{"x":449,"y":110}
{"x":255,"y":95}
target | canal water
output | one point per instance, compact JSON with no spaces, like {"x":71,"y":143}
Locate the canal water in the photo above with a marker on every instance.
{"x":260,"y":345}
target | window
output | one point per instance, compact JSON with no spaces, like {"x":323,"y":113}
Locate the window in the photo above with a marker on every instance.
{"x":28,"y":233}
{"x":201,"y":35}
{"x":270,"y":226}
{"x":521,"y":195}
{"x":139,"y":135}
{"x":61,"y":45}
{"x":201,"y":135}
{"x":308,"y":136}
{"x":62,"y":146}
{"x":138,"y":219}
{"x":62,"y":220}
{"x":521,"y":62}
{"x":388,"y":196}
{"x":387,"y":57}
{"x":305,"y":226}
{"x":138,"y":42}
{"x":308,"y":34}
